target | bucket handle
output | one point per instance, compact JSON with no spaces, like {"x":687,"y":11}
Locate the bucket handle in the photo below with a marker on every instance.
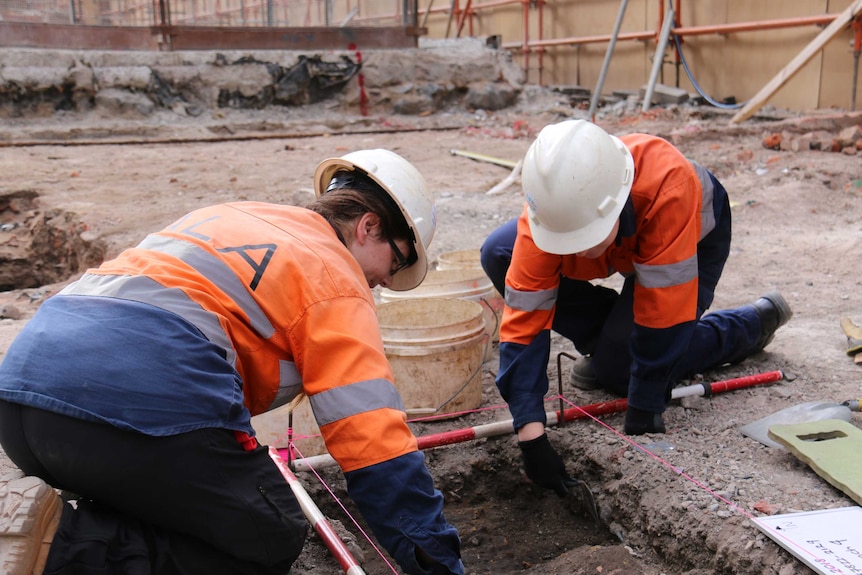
{"x":430,"y":410}
{"x":494,"y":313}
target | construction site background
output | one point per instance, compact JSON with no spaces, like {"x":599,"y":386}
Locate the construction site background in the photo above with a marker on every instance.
{"x":729,"y":48}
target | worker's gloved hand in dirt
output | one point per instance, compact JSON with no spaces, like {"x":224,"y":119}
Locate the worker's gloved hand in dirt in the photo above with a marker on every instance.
{"x":544,"y":467}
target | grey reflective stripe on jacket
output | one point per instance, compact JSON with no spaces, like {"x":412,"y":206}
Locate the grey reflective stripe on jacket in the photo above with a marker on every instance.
{"x":289,"y":384}
{"x":143,"y":289}
{"x":531,"y":300}
{"x":707,"y":213}
{"x":342,"y":402}
{"x":660,"y":276}
{"x":215,"y":271}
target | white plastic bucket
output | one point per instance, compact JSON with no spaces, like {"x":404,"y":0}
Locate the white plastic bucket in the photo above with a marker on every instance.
{"x":468,"y":284}
{"x":436,"y":347}
{"x":459,"y":260}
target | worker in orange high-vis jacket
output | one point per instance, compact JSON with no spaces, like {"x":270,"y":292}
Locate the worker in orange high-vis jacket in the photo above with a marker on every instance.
{"x":597,"y":205}
{"x":133,"y":388}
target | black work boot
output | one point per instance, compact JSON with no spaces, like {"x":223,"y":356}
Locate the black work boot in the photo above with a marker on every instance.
{"x":583,"y":376}
{"x":773,"y":311}
{"x":639,"y":422}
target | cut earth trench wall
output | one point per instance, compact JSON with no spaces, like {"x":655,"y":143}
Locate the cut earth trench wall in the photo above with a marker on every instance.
{"x":467,"y":74}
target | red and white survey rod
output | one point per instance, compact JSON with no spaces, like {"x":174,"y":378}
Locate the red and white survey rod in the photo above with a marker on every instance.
{"x":704,"y":389}
{"x":317,"y":519}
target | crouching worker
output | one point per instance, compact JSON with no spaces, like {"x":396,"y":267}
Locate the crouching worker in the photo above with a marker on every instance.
{"x":134,"y":387}
{"x":598,"y":205}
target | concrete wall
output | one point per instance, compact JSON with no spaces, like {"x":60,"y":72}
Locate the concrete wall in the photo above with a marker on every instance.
{"x":460,"y":74}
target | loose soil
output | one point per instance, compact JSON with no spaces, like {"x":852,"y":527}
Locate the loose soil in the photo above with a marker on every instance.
{"x":678,"y":503}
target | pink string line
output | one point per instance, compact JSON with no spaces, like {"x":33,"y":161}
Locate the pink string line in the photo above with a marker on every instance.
{"x":346,"y":512}
{"x":688,"y":477}
{"x":676,"y":470}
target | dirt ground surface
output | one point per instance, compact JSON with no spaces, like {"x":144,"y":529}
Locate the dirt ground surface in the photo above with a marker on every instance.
{"x":678,"y":503}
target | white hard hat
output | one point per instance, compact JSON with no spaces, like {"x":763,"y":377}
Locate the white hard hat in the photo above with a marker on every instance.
{"x":406,"y":186}
{"x":576,"y":178}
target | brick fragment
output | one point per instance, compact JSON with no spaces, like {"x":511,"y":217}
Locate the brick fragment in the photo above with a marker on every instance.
{"x":772,"y":141}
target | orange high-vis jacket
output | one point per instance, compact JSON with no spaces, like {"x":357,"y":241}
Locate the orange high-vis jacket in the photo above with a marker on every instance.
{"x":668,"y":204}
{"x":274,"y":287}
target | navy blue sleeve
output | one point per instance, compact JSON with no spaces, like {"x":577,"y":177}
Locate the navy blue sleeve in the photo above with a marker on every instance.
{"x":714,"y":248}
{"x":398,"y":500}
{"x":523,"y":378}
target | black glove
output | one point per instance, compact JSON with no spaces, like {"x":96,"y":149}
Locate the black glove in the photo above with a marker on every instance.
{"x":639,"y":422}
{"x":544,"y":466}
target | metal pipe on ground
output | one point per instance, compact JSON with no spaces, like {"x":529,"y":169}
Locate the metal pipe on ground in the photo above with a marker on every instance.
{"x":705,"y":389}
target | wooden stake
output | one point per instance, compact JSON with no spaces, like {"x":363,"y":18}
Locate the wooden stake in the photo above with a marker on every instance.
{"x":796,"y":64}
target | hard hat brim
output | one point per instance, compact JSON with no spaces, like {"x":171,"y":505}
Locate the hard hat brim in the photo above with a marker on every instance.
{"x":573,"y":242}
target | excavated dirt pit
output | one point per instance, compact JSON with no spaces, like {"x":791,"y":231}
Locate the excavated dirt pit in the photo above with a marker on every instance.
{"x":42,"y":246}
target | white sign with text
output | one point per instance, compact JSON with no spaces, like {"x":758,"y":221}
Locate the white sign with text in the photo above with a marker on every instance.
{"x":829,"y":540}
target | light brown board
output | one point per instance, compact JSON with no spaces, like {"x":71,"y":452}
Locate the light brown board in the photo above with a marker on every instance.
{"x":800,"y":60}
{"x":831,"y":447}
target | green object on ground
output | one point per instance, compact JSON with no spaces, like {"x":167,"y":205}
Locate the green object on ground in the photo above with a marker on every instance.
{"x":831,"y":448}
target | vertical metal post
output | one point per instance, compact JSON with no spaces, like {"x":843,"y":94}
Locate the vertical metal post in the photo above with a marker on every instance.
{"x":598,"y":93}
{"x":427,"y":12}
{"x":857,"y":48}
{"x":677,"y":20}
{"x":658,"y":59}
{"x":526,"y":40}
{"x":453,"y":10}
{"x":540,"y":50}
{"x":409,"y":13}
{"x":164,"y":13}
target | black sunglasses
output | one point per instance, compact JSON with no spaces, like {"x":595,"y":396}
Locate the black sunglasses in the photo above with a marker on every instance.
{"x":399,"y":257}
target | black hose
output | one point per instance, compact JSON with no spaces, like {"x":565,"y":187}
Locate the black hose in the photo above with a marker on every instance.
{"x":694,"y":83}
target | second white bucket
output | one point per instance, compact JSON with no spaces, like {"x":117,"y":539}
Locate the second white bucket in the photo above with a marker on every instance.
{"x":468,"y":284}
{"x":436,"y":347}
{"x":460,"y":260}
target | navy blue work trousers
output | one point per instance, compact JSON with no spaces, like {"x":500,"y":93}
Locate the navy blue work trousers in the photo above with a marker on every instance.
{"x":185,"y":504}
{"x":599,"y":320}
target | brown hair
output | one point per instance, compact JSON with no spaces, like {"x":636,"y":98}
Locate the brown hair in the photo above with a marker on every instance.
{"x":352,"y":194}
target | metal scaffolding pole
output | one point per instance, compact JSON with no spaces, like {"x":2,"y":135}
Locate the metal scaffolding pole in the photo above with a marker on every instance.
{"x":598,"y":92}
{"x":658,"y":59}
